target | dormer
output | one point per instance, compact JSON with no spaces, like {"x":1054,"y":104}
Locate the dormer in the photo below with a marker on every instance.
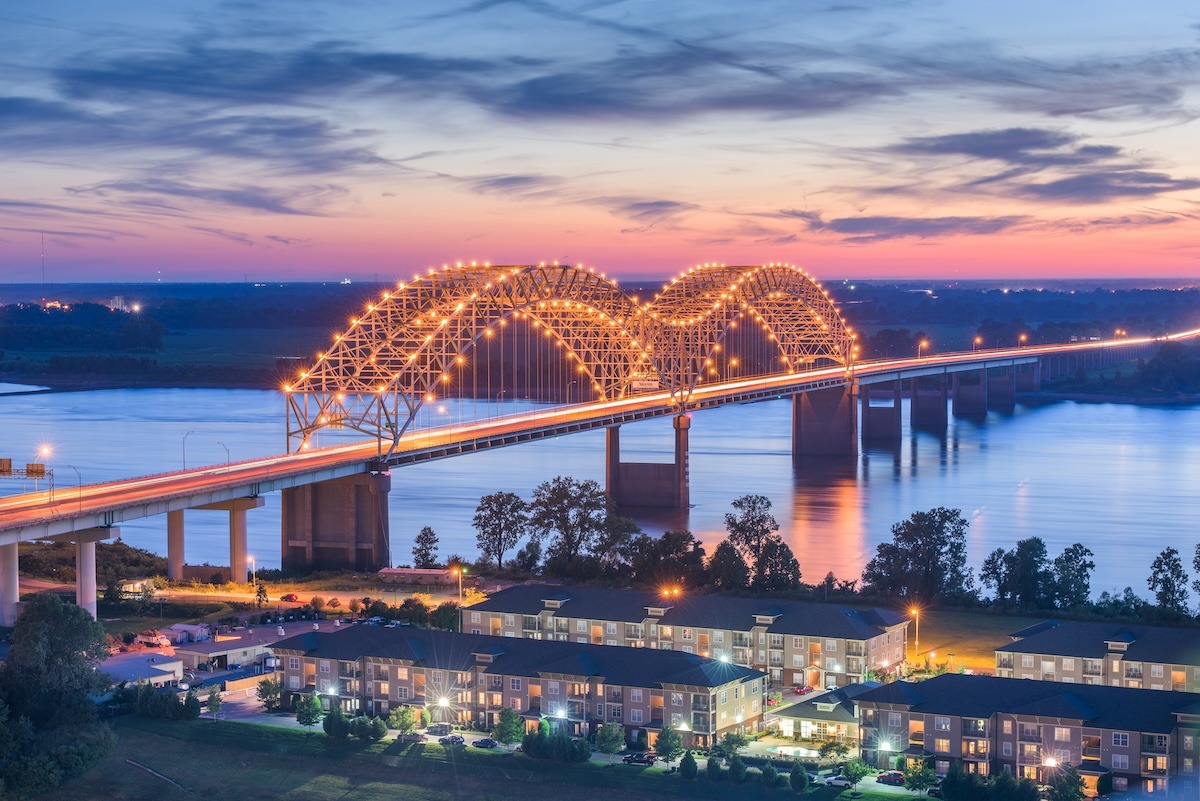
{"x":825,"y":706}
{"x":487,"y":654}
{"x":767,"y":616}
{"x":1120,"y":641}
{"x":555,"y":601}
{"x":657,"y":611}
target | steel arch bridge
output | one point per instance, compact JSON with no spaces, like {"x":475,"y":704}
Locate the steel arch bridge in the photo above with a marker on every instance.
{"x":403,"y":352}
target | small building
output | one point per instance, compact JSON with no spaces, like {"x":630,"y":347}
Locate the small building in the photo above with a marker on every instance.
{"x":180,"y":633}
{"x":429,"y":577}
{"x":246,"y":646}
{"x":143,"y":667}
{"x":828,"y":716}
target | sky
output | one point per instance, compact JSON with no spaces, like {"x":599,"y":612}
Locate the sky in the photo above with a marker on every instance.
{"x":295,"y":140}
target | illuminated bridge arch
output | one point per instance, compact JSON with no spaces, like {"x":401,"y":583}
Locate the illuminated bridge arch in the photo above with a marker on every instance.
{"x":407,"y":347}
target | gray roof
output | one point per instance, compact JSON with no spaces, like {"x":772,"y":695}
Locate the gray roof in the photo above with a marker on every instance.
{"x":842,"y":698}
{"x":696,"y":610}
{"x":1170,"y":646}
{"x":512,"y":656}
{"x":1094,"y":705}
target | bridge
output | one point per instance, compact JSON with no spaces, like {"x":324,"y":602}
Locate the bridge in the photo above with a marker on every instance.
{"x":715,"y":335}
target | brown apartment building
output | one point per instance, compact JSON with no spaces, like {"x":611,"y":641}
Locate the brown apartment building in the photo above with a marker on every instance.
{"x":467,"y":679}
{"x":1114,"y":654}
{"x":793,"y":642}
{"x":1143,"y":740}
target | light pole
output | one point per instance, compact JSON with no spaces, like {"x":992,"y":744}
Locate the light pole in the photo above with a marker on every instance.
{"x":1022,"y":339}
{"x":79,"y":485}
{"x":184,"y":448}
{"x":916,"y":613}
{"x":976,"y":342}
{"x":458,"y":570}
{"x":226,"y":447}
{"x":250,"y":559}
{"x":924,"y":343}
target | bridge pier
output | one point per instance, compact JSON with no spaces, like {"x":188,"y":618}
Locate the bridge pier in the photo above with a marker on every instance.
{"x":85,"y":562}
{"x":10,"y":584}
{"x":1002,"y":388}
{"x":237,"y":509}
{"x":928,"y":407}
{"x":970,"y":397}
{"x":175,"y":560}
{"x":881,"y":422}
{"x":655,"y":484}
{"x":824,"y":423}
{"x":1029,"y":377}
{"x":338,"y":524}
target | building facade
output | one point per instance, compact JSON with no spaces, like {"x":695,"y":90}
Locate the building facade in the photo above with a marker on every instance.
{"x":793,"y":642}
{"x":468,"y":679}
{"x":1141,"y":740}
{"x":1113,"y":654}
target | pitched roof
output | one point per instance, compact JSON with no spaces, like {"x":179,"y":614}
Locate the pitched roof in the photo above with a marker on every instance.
{"x":1095,"y":705}
{"x":843,"y":704}
{"x":695,"y":609}
{"x":1087,"y":639}
{"x":511,"y":656}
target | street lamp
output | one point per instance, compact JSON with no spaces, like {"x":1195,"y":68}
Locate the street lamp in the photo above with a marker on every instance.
{"x":924,"y":343}
{"x":184,"y":448}
{"x":226,"y":447}
{"x":458,"y":570}
{"x":916,"y":613}
{"x":975,"y":343}
{"x":1022,"y":339}
{"x":79,"y":485}
{"x":250,"y":559}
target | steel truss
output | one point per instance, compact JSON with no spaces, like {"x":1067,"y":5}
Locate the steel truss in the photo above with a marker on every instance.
{"x":405,"y":349}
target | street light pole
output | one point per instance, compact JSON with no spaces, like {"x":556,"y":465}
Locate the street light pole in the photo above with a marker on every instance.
{"x":79,"y":485}
{"x":975,"y":343}
{"x":916,"y":613}
{"x":184,"y":448}
{"x":226,"y":447}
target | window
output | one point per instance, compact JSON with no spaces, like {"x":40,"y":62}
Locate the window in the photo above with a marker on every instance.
{"x":736,"y":693}
{"x":718,"y":638}
{"x":1120,"y":784}
{"x":600,"y":711}
{"x":724,"y":696}
{"x":475,"y":618}
{"x":1062,"y":734}
{"x":687,"y":649}
{"x":754,"y":688}
{"x":1156,"y":671}
{"x":401,"y":674}
{"x":516,"y":703}
{"x":941,"y":744}
{"x":1068,"y":664}
{"x":323,"y":666}
{"x":831,"y":645}
{"x":614,"y":711}
{"x":894,"y":720}
{"x":1120,"y":761}
{"x":666,"y":631}
{"x":294,"y":682}
{"x":1006,"y":748}
{"x":293,"y":663}
{"x":687,"y":634}
{"x":676,"y":699}
{"x":581,"y":626}
{"x":676,"y":720}
{"x":635,"y":715}
{"x":553,"y":688}
{"x":1008,"y":727}
{"x":402,"y":693}
{"x":941,"y":724}
{"x":797,"y":660}
{"x":635,"y":695}
{"x":514,"y":684}
{"x":1027,"y":660}
{"x":475,"y":631}
{"x":508,"y":620}
{"x":1188,"y":765}
{"x":1120,"y":739}
{"x":1188,"y":742}
{"x":797,"y":642}
{"x":610,"y":628}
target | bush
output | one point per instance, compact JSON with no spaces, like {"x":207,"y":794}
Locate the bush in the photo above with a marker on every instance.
{"x":770,"y":776}
{"x":360,"y":727}
{"x":378,"y":729}
{"x":798,"y":778}
{"x":737,"y":769}
{"x":713,"y":771}
{"x":335,"y":724}
{"x":687,"y":767}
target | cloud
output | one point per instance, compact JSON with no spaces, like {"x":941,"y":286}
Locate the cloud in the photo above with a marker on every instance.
{"x":232,"y":236}
{"x":287,"y":241}
{"x":867,"y":230}
{"x":1101,"y":187}
{"x":302,"y":200}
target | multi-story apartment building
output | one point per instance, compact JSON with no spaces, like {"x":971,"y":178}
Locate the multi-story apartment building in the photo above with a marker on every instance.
{"x":794,"y":642}
{"x":1115,"y":654}
{"x":1144,"y":740}
{"x":467,"y":679}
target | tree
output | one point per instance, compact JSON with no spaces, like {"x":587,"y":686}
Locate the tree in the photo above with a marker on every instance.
{"x":611,"y":738}
{"x":726,"y":568}
{"x":308,"y":710}
{"x":528,"y":557}
{"x":1030,"y":576}
{"x":1168,"y":581}
{"x":687,"y":767}
{"x":355,"y":606}
{"x":571,"y":513}
{"x":712,"y":769}
{"x":750,"y":528}
{"x":926,"y":560}
{"x":669,"y":744}
{"x":401,"y":719}
{"x":446,"y":617}
{"x":335,"y":723}
{"x":317,"y":603}
{"x":674,"y":558}
{"x":114,"y":596}
{"x":378,"y":729}
{"x":777,"y":569}
{"x":737,"y":769}
{"x":769,"y":775}
{"x":425,"y":548}
{"x":359,"y":726}
{"x":919,"y":777}
{"x":798,"y":778}
{"x":269,"y":693}
{"x":833,"y":749}
{"x":501,"y":521}
{"x":854,"y":771}
{"x":51,"y":666}
{"x":1073,"y":576}
{"x":191,"y":705}
{"x":214,"y":702}
{"x":424,"y":719}
{"x":1065,"y":784}
{"x":260,"y":594}
{"x":510,"y":727}
{"x":733,"y":742}
{"x":1195,"y":569}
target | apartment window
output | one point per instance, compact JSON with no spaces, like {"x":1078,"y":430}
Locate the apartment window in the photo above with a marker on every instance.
{"x":610,"y":628}
{"x":294,"y":682}
{"x":1068,"y":664}
{"x":1120,"y":784}
{"x":635,"y":696}
{"x":831,"y":645}
{"x":676,"y":720}
{"x":614,"y":711}
{"x":514,"y":684}
{"x":552,"y":688}
{"x":1120,"y":761}
{"x":718,"y":638}
{"x":600,"y":711}
{"x":475,"y":631}
{"x":736,"y":693}
{"x":293,"y":663}
{"x":635,"y":716}
{"x":1062,"y":734}
{"x":1188,"y":742}
{"x":1156,"y":671}
{"x":676,"y":699}
{"x":1006,"y":748}
{"x":797,"y":660}
{"x":401,"y":674}
{"x":687,"y":634}
{"x":754,"y":689}
{"x":1188,"y":765}
{"x":1027,"y":660}
{"x":653,"y":632}
{"x":581,"y":626}
{"x":941,"y":744}
{"x":516,"y":703}
{"x":475,"y":618}
{"x":666,"y":631}
{"x":724,"y":696}
{"x":941,"y":724}
{"x":687,"y":649}
{"x":797,"y":642}
{"x":402,"y":693}
{"x":894,"y":720}
{"x":323,"y":666}
{"x":1008,"y":727}
{"x":1120,"y":739}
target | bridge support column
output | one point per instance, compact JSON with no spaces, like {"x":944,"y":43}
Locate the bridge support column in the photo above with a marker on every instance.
{"x":881,"y":422}
{"x":10,"y":584}
{"x":1029,"y":377}
{"x":927,"y":408}
{"x":85,"y":563}
{"x":237,"y":508}
{"x":970,"y":397}
{"x":1002,"y":388}
{"x":649,"y":483}
{"x":339,"y":524}
{"x":175,"y":560}
{"x":824,"y":423}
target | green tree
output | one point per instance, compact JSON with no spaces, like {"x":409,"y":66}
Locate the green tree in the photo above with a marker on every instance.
{"x":769,"y":775}
{"x":424,"y":719}
{"x":191,"y":705}
{"x":1065,"y":784}
{"x":687,"y":767}
{"x":1169,"y":582}
{"x":925,"y":561}
{"x":570,"y":513}
{"x":335,"y":723}
{"x":798,"y":778}
{"x":833,"y":750}
{"x":1073,"y":576}
{"x":611,"y":738}
{"x":308,"y":710}
{"x":676,"y":557}
{"x":425,"y":548}
{"x":1030,"y":577}
{"x":214,"y":702}
{"x":446,"y":617}
{"x":260,"y":594}
{"x":726,"y":568}
{"x":669,"y":744}
{"x":919,"y":777}
{"x":401,"y":719}
{"x":737,"y":769}
{"x":355,"y":606}
{"x":378,"y":729}
{"x":317,"y":603}
{"x":501,"y":521}
{"x":733,"y":742}
{"x":855,"y":770}
{"x":776,"y":569}
{"x":114,"y":596}
{"x":359,"y":726}
{"x":270,"y":691}
{"x":510,"y":727}
{"x":749,"y":529}
{"x":712,"y":769}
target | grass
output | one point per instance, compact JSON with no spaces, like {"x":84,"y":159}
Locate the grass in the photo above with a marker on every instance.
{"x":971,"y":636}
{"x":229,"y":761}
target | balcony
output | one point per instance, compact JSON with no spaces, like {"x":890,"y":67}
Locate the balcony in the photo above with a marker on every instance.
{"x":855,"y":650}
{"x":1091,"y":753}
{"x":916,"y":737}
{"x":1149,"y":746}
{"x":1005,"y":662}
{"x":615,"y":697}
{"x":741,"y":641}
{"x":700,"y":704}
{"x":1133,"y":674}
{"x":1091,"y":670}
{"x":1030,"y":736}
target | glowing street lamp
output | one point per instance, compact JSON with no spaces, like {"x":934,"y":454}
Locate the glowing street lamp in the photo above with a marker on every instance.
{"x":458,"y":570}
{"x":1022,"y":339}
{"x":924,"y":343}
{"x":916,"y":613}
{"x":976,"y":342}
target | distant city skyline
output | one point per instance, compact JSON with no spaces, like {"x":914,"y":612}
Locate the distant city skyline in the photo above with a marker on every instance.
{"x":280,"y":141}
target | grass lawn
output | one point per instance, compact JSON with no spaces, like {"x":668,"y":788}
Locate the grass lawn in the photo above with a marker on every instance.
{"x":231,"y":761}
{"x":971,"y":636}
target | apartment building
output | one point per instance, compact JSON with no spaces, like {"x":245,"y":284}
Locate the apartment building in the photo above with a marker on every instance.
{"x":1144,"y":740}
{"x":1114,"y":654}
{"x":793,"y":642}
{"x":467,"y":679}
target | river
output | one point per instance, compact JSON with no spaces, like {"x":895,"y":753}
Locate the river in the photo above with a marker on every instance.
{"x":1122,"y":479}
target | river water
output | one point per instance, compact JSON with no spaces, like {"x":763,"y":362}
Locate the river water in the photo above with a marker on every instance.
{"x":1122,"y":479}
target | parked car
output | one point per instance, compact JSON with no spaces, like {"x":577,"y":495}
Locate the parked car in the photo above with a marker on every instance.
{"x":413,"y":737}
{"x":640,"y":758}
{"x":837,"y":781}
{"x":935,"y":792}
{"x":892,"y":777}
{"x":486,"y":742}
{"x":451,"y":740}
{"x":290,"y":598}
{"x":802,"y":690}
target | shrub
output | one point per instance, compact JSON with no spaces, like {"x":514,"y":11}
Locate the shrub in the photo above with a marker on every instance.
{"x":378,"y":729}
{"x":687,"y":767}
{"x":712,"y":771}
{"x":737,"y":769}
{"x":798,"y":778}
{"x":770,"y":776}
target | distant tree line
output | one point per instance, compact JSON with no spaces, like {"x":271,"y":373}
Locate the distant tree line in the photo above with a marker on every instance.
{"x":82,"y":326}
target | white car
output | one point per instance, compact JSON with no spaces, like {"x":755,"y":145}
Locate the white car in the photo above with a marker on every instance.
{"x":838,"y":781}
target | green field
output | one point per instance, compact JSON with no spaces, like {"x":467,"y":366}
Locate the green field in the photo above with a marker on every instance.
{"x":232,"y":761}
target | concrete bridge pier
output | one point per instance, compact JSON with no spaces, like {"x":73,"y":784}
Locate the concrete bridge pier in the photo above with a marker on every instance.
{"x":824,"y":423}
{"x":10,"y":584}
{"x":85,"y":562}
{"x":1002,"y":388}
{"x":881,"y":422}
{"x":970,"y":393}
{"x":655,"y":484}
{"x":338,"y":524}
{"x":237,"y":508}
{"x":1029,"y":377}
{"x":929,"y":399}
{"x":175,"y":560}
